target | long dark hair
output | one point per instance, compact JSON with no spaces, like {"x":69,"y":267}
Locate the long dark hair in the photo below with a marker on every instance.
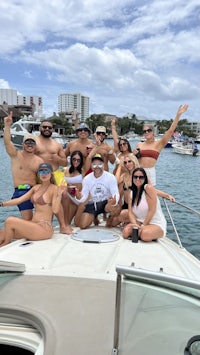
{"x":133,"y":187}
{"x":127,"y":142}
{"x":80,"y":166}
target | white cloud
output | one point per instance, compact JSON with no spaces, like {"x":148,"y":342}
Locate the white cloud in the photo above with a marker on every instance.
{"x":132,"y":55}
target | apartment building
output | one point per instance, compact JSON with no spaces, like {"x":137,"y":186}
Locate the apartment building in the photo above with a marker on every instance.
{"x":34,"y":101}
{"x":10,"y":98}
{"x":68,"y":103}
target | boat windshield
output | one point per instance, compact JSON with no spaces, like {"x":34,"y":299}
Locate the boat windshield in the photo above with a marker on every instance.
{"x":156,"y":314}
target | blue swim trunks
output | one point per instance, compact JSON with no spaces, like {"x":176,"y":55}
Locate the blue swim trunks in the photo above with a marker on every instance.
{"x":27,"y":205}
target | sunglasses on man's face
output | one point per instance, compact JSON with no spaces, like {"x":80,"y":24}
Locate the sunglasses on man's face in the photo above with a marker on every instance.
{"x":149,"y":130}
{"x":82,"y":130}
{"x":97,"y":165}
{"x":30,"y":142}
{"x":44,"y":172}
{"x":98,"y":133}
{"x":47,"y":127}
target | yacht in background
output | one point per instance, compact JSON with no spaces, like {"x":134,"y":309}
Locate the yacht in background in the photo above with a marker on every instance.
{"x":30,"y":124}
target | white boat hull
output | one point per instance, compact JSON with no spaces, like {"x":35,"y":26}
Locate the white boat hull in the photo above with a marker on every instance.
{"x":186,"y":150}
{"x":65,"y":298}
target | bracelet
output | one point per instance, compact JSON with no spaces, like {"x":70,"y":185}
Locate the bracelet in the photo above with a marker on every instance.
{"x":1,"y":204}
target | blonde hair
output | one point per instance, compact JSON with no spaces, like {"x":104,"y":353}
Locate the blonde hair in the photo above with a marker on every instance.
{"x":149,"y":126}
{"x":133,"y":158}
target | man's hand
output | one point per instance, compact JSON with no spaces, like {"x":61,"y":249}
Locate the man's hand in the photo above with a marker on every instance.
{"x":8,"y":120}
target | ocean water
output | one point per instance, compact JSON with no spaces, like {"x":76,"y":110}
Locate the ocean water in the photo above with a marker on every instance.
{"x":177,"y":174}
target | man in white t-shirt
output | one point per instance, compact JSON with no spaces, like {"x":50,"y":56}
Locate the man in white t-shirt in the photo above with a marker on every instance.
{"x":100,"y":189}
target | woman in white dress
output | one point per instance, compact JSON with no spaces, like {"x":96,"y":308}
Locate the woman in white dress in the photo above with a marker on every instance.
{"x":144,"y":209}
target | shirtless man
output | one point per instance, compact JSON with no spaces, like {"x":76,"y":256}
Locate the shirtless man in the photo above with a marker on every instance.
{"x":52,"y":152}
{"x":47,"y":148}
{"x":24,"y":165}
{"x":82,"y":143}
{"x":101,"y":147}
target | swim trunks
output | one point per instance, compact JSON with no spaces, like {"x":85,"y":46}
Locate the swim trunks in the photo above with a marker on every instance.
{"x":95,"y":208}
{"x":26,"y":205}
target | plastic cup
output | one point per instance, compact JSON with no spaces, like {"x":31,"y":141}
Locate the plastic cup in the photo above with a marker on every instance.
{"x":72,"y":190}
{"x":88,"y":149}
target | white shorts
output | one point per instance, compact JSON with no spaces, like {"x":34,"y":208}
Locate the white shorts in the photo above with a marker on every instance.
{"x":151,"y":174}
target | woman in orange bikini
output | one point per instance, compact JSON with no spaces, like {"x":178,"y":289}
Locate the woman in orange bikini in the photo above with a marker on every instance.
{"x":47,"y":200}
{"x":150,"y":149}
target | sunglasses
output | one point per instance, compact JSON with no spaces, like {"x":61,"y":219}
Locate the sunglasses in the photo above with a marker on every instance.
{"x":47,"y":127}
{"x":30,"y":142}
{"x":128,"y":162}
{"x":98,"y":133}
{"x":121,"y":144}
{"x":97,"y":165}
{"x":147,"y":130}
{"x":82,"y":130}
{"x":44,"y":172}
{"x":140,"y":177}
{"x":75,"y":159}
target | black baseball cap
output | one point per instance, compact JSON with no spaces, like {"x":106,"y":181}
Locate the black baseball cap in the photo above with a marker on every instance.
{"x":45,"y":166}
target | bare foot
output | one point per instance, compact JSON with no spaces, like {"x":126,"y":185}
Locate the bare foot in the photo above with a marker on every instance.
{"x":66,"y":230}
{"x":96,"y":221}
{"x":109,"y":221}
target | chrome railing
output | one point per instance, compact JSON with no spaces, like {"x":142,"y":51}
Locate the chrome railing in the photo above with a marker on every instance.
{"x":172,"y":221}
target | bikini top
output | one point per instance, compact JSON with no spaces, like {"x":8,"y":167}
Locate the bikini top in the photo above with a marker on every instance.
{"x":74,"y":179}
{"x":40,"y":199}
{"x":148,"y":153}
{"x":125,"y":188}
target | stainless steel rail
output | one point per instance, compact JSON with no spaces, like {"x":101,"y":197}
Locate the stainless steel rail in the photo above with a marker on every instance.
{"x":171,"y":219}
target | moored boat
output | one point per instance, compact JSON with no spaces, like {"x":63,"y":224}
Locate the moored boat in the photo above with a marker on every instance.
{"x":186,"y":148}
{"x":97,"y":293}
{"x":30,"y":125}
{"x":197,"y":139}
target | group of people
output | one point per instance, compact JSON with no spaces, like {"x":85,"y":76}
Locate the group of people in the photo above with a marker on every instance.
{"x":126,"y":195}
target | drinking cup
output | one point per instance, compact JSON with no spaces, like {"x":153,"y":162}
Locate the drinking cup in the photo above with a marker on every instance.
{"x":72,"y":190}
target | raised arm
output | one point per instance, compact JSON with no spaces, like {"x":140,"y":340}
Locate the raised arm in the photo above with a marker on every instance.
{"x":115,"y":135}
{"x":163,"y":141}
{"x":10,"y":148}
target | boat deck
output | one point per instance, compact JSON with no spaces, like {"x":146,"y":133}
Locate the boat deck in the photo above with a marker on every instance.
{"x":64,"y":256}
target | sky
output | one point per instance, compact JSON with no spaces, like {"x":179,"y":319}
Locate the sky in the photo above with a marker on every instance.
{"x":129,"y":56}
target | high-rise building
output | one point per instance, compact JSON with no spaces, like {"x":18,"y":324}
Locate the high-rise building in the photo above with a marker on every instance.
{"x":69,"y":102}
{"x":9,"y":96}
{"x":34,"y":101}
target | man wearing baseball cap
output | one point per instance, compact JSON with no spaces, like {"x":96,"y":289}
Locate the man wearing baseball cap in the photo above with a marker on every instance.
{"x":24,"y":164}
{"x":101,"y":188}
{"x":103,"y":147}
{"x":82,"y":143}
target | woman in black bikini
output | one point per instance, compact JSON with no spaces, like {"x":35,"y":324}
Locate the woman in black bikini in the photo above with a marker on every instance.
{"x":47,"y":200}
